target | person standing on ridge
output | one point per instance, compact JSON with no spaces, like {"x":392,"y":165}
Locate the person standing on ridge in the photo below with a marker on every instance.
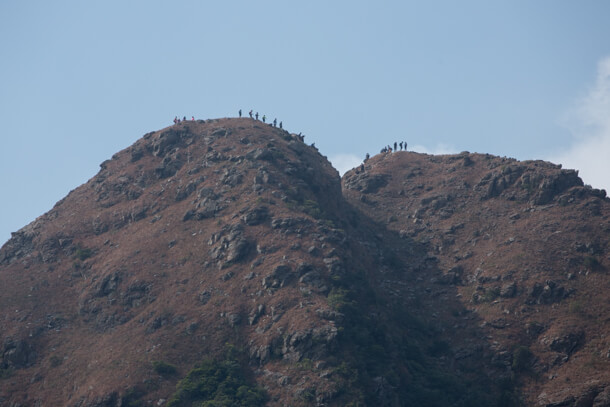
{"x":281,"y":125}
{"x":405,"y":146}
{"x":256,"y":115}
{"x":400,"y":146}
{"x":239,"y":112}
{"x":274,"y":122}
{"x":395,"y":146}
{"x":264,"y":118}
{"x":250,"y":113}
{"x":192,"y":118}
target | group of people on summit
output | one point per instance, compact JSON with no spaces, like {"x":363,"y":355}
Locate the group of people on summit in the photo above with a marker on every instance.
{"x":388,"y":148}
{"x":178,"y":120}
{"x":264,"y":118}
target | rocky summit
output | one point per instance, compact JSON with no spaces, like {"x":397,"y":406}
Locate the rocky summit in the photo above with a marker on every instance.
{"x":225,"y":263}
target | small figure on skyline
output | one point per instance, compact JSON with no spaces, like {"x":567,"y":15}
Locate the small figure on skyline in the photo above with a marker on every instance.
{"x":361,"y":167}
{"x":405,"y":146}
{"x":401,"y":146}
{"x":366,"y":158}
{"x":175,"y":119}
{"x":395,"y":146}
{"x":239,"y":112}
{"x":184,"y":119}
{"x":250,"y":113}
{"x":264,"y":118}
{"x":274,"y":122}
{"x":256,"y":115}
{"x":192,"y":118}
{"x":281,"y":125}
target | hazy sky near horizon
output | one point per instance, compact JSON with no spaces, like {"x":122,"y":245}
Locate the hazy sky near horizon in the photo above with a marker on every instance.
{"x":80,"y":81}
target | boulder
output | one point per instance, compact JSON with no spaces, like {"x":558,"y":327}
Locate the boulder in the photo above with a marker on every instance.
{"x":165,"y":142}
{"x":184,"y":192}
{"x":17,"y":354}
{"x":367,"y":183}
{"x":603,"y":398}
{"x":260,"y":154}
{"x":567,"y":343}
{"x":280,"y":275}
{"x":256,"y":216}
{"x":237,"y":250}
{"x":108,"y":284}
{"x":508,"y":290}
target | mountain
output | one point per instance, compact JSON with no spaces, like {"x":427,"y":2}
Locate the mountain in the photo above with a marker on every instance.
{"x":225,"y":262}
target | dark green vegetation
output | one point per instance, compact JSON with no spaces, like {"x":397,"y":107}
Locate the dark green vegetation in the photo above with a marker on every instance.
{"x":5,"y":373}
{"x":164,"y":368}
{"x":83,"y":253}
{"x":217,"y":384}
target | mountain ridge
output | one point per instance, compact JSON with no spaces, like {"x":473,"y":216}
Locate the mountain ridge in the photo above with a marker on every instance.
{"x":233,"y":231}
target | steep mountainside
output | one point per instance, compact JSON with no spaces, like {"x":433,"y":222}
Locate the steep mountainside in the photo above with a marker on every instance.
{"x":221,"y":262}
{"x":524,"y":244}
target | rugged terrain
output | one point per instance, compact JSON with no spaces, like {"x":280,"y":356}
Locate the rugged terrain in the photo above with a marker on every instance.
{"x":524,"y":245}
{"x":226,"y":260}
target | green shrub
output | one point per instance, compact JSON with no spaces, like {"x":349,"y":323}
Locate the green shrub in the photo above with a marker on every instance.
{"x":575,"y":307}
{"x":522,"y":357}
{"x":305,"y":364}
{"x":133,"y":397}
{"x":337,"y":299}
{"x":312,"y":209}
{"x":491,"y":294}
{"x":5,"y":373}
{"x":83,"y":253}
{"x":55,"y":360}
{"x":163,"y":368}
{"x":216,"y":384}
{"x":591,"y":262}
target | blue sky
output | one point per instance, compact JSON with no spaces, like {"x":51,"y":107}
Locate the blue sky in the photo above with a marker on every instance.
{"x":80,"y":81}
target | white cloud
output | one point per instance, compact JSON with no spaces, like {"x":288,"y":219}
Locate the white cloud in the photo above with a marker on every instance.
{"x":345,"y":162}
{"x":589,"y":122}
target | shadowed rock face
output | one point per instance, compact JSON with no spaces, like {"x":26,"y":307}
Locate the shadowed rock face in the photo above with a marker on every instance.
{"x":231,"y":246}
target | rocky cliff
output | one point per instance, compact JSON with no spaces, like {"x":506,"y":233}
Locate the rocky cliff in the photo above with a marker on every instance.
{"x":225,"y":262}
